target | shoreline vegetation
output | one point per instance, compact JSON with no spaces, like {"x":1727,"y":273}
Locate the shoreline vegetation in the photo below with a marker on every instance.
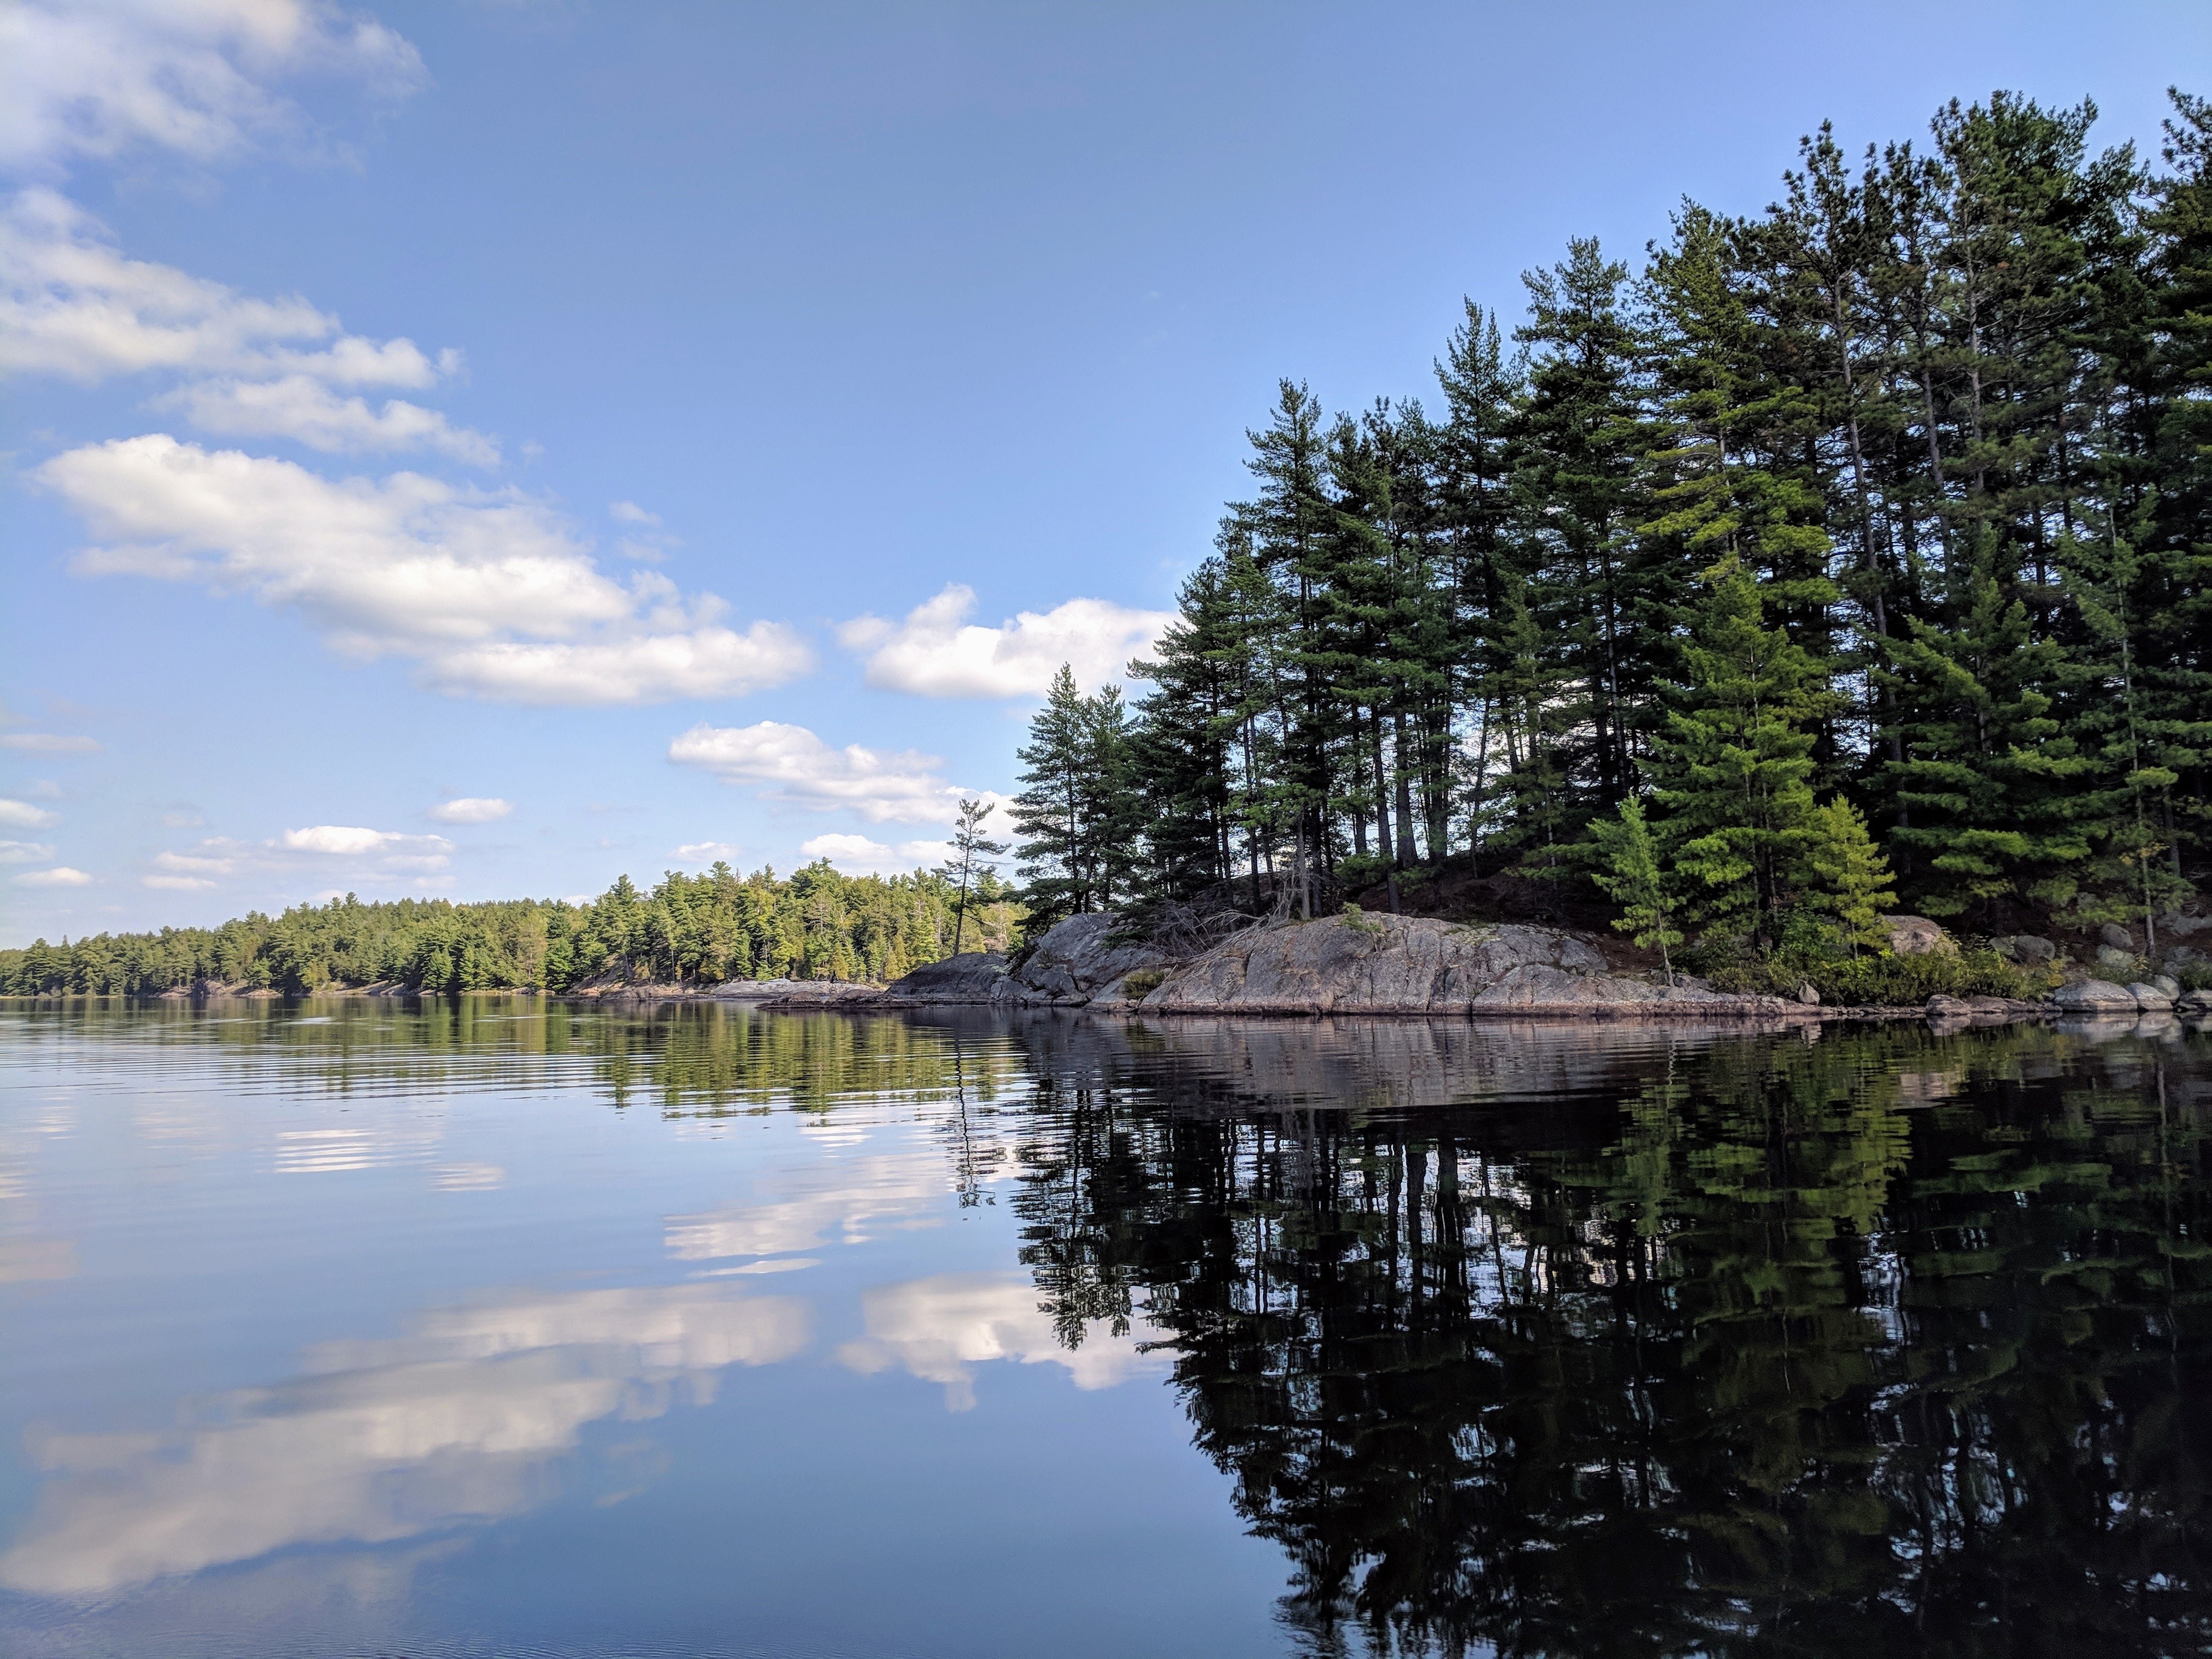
{"x":1848,"y":558}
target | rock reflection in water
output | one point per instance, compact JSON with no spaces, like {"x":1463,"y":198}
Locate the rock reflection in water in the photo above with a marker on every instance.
{"x":1782,"y":1348}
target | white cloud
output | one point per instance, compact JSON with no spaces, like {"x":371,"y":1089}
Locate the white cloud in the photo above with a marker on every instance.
{"x":344,"y":840}
{"x":303,"y":409}
{"x":102,"y":77}
{"x":418,"y":568}
{"x":24,"y":852}
{"x":203,"y":864}
{"x":457,"y":1423}
{"x":793,"y":765}
{"x":631,"y":512}
{"x":72,"y":304}
{"x":60,"y":876}
{"x":707,"y":852}
{"x":936,"y":652}
{"x":317,"y":853}
{"x":938,"y":1329}
{"x":856,"y":855}
{"x":21,"y":815}
{"x":48,"y":743}
{"x":471,"y":809}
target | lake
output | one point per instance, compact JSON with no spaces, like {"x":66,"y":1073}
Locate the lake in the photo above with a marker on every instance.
{"x":503,"y":1326}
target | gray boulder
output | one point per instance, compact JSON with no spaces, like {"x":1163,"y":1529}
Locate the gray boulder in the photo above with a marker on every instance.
{"x":2174,"y":925}
{"x":2115,"y":964}
{"x":1916,"y":936}
{"x":1417,"y":965}
{"x":2095,"y":996}
{"x":2167,"y":983}
{"x":1078,"y":963}
{"x":971,"y":976}
{"x":2026,"y":947}
{"x":2193,"y":1003}
{"x":2118,"y":937}
{"x":2150,"y":999}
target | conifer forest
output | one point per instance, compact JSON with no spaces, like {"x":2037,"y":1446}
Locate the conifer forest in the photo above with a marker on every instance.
{"x":1847,"y":556}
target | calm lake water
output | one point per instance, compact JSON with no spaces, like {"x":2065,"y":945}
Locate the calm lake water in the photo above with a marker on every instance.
{"x":505,"y":1328}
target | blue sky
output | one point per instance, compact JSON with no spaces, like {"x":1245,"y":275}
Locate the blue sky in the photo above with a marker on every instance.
{"x":480,"y":449}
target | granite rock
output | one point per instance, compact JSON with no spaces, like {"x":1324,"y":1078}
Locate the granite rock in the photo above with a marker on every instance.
{"x":1419,"y":966}
{"x":1916,"y":936}
{"x":2095,"y":996}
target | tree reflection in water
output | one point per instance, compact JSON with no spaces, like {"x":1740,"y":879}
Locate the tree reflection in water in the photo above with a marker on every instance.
{"x":1884,"y":1342}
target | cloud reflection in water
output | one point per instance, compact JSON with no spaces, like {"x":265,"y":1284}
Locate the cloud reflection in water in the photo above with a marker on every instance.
{"x":386,"y":1439}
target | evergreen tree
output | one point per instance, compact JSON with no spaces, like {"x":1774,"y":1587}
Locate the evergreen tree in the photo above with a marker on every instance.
{"x":1988,"y":778}
{"x":1734,"y":769}
{"x":1629,"y":872}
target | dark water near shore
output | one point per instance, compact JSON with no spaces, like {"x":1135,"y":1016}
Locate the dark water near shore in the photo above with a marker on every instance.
{"x":505,"y":1328}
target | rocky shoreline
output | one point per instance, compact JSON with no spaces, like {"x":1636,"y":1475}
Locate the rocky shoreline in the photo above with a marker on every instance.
{"x":1401,"y":967}
{"x":1410,"y":966}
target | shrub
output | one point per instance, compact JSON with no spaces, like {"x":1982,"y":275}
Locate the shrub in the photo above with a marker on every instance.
{"x":1870,"y":980}
{"x":1143,"y":981}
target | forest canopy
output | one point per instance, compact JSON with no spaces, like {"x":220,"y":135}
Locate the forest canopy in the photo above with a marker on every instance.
{"x":1848,"y":554}
{"x":702,"y":929}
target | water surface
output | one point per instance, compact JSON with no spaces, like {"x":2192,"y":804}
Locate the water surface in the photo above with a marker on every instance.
{"x":503,"y":1326}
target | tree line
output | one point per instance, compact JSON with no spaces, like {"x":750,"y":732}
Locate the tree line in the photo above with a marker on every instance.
{"x":1848,"y":553}
{"x":813,"y":924}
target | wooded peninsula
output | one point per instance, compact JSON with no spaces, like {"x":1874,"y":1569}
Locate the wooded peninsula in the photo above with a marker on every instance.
{"x":1846,"y":555}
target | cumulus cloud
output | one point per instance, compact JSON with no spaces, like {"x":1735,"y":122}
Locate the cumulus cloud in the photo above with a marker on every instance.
{"x":940,"y":1328}
{"x":72,"y":304}
{"x":857,"y":855}
{"x":48,"y":743}
{"x":303,"y":409}
{"x":24,"y":852}
{"x":104,"y":77}
{"x":631,"y":512}
{"x":471,"y":809}
{"x":319,"y":852}
{"x":21,"y":815}
{"x":938,"y":653}
{"x":791,"y":764}
{"x":60,"y":876}
{"x":491,"y":592}
{"x":346,"y":840}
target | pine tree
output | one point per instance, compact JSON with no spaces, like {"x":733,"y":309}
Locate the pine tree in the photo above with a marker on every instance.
{"x":1988,"y":779}
{"x":972,"y":852}
{"x":1734,"y":769}
{"x":1629,"y":873}
{"x":1846,"y":875}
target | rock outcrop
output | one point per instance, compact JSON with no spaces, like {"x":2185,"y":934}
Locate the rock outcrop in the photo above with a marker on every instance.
{"x":1916,"y":936}
{"x":2096,"y":996}
{"x":1081,"y":964}
{"x":1419,"y":965}
{"x":972,"y":977}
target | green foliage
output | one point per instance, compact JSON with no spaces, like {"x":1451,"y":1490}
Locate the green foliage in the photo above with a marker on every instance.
{"x":1895,"y":494}
{"x":1630,"y":874}
{"x":1076,"y":818}
{"x":1876,"y":981}
{"x":1848,"y":876}
{"x":1734,"y":769}
{"x":814,"y":924}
